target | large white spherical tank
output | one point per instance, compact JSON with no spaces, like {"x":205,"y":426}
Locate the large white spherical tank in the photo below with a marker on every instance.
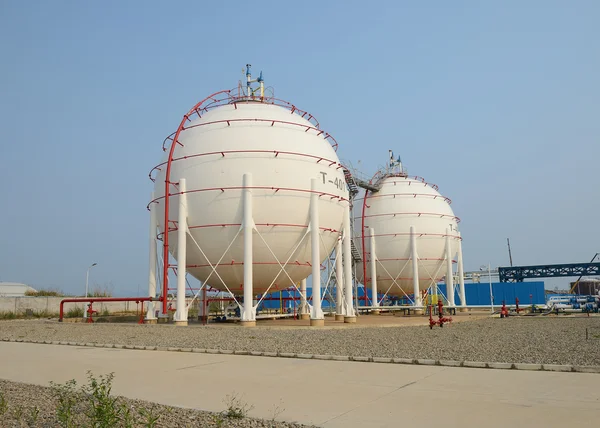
{"x":282,"y":152}
{"x":400,"y":203}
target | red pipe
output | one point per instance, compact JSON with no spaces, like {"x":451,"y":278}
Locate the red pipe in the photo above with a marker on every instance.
{"x":102,"y":299}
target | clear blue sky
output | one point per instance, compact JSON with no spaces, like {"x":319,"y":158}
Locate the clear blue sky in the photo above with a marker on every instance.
{"x":496,"y":102}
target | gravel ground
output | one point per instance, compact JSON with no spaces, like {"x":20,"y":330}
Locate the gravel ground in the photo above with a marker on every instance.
{"x":544,"y":340}
{"x":35,"y":406}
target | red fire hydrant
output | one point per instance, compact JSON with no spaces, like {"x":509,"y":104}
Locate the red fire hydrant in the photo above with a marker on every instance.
{"x":90,"y":312}
{"x":441,"y":318}
{"x":504,"y":311}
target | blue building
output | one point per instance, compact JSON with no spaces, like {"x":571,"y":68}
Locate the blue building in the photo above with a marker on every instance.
{"x":531,"y":292}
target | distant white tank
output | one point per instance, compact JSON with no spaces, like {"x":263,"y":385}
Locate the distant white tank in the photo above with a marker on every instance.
{"x":403,"y":202}
{"x":283,"y":148}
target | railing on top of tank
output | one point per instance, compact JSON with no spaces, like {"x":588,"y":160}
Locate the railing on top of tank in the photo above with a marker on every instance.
{"x":383,"y":174}
{"x":226,"y":98}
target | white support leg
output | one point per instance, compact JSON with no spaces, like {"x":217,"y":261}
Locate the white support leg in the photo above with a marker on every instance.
{"x":316,"y":315}
{"x":415,"y":271}
{"x":350,"y":316}
{"x":304,"y":313}
{"x":201,"y":306}
{"x":150,"y":315}
{"x":373,"y":273}
{"x":248,"y":311}
{"x":339,"y":282}
{"x":181,"y":313}
{"x":449,"y":271}
{"x":461,"y":277}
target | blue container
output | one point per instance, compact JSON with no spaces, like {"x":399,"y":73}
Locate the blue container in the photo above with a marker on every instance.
{"x":531,"y":292}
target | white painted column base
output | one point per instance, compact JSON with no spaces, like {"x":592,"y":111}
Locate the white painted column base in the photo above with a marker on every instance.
{"x":247,"y":309}
{"x":373,"y":273}
{"x":418,"y":301}
{"x":349,"y":316}
{"x":304,"y":314}
{"x":449,"y":271}
{"x":339,"y":281}
{"x":461,"y":274}
{"x":317,"y":318}
{"x":150,"y":314}
{"x":181,"y":314}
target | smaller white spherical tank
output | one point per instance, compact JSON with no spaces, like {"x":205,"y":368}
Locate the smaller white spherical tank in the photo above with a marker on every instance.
{"x":400,"y":203}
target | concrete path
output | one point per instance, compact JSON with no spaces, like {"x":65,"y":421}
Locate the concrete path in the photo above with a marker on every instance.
{"x":325,"y":393}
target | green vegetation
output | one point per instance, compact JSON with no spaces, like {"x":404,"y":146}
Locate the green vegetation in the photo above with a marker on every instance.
{"x":74,"y":312}
{"x":67,"y":398}
{"x":45,"y":293}
{"x":3,"y":404}
{"x":102,"y":406}
{"x":236,"y":408}
{"x":92,"y":405}
{"x":10,"y":315}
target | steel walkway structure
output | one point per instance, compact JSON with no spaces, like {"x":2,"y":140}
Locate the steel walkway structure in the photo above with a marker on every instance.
{"x":519,"y":273}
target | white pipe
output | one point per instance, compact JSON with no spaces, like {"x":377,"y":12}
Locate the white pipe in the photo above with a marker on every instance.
{"x":316,"y":316}
{"x":152,"y":261}
{"x":374,"y":298}
{"x":339,"y":278}
{"x":449,"y":271}
{"x":418,"y":301}
{"x":181,"y":312}
{"x":347,"y":254}
{"x":248,"y":312}
{"x":461,"y":273}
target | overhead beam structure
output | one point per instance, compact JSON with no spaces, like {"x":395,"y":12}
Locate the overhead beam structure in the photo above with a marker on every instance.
{"x":519,"y":273}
